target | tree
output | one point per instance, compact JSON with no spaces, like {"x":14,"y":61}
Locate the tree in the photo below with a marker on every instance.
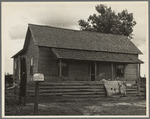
{"x":109,"y":22}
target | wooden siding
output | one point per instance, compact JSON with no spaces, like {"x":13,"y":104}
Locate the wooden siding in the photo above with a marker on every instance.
{"x":47,"y":64}
{"x":79,"y":70}
{"x":130,"y":72}
{"x":31,"y":52}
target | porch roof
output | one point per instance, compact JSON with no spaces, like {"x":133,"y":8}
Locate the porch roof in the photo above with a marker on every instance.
{"x":95,"y":56}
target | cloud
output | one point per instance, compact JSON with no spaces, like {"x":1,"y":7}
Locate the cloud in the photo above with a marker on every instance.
{"x":60,"y":21}
{"x":17,"y":32}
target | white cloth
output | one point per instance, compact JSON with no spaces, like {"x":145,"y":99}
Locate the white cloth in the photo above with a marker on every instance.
{"x":114,"y":87}
{"x":111,"y":87}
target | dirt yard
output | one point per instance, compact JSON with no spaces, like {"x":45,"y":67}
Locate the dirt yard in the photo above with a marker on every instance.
{"x":136,"y":107}
{"x":76,"y":108}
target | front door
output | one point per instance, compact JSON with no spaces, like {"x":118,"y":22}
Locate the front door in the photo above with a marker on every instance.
{"x":92,"y":71}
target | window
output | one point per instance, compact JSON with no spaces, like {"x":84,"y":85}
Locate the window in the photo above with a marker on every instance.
{"x":15,"y":64}
{"x":31,"y":66}
{"x":119,"y":70}
{"x":64,"y":68}
{"x":16,"y":67}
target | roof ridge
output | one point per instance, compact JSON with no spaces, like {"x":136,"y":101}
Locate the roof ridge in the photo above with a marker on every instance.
{"x":76,"y":30}
{"x":53,"y":27}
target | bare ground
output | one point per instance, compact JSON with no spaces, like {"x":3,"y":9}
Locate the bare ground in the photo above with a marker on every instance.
{"x":137,"y":107}
{"x":76,"y":108}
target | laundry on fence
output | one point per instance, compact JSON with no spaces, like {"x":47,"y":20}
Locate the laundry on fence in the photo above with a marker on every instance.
{"x":114,"y":87}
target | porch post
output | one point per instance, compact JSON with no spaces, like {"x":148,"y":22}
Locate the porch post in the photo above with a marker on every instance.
{"x":19,"y":67}
{"x":95,"y":69}
{"x":139,"y":79}
{"x":112,"y":71}
{"x":60,"y":63}
{"x":139,"y":73}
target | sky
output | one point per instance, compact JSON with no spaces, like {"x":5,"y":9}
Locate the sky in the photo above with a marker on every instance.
{"x":17,"y":15}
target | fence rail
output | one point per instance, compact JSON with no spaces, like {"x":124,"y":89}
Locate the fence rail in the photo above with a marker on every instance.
{"x":77,"y":90}
{"x":68,"y":91}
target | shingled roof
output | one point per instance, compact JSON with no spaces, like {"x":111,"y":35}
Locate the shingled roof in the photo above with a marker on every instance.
{"x":82,"y":40}
{"x":95,"y":56}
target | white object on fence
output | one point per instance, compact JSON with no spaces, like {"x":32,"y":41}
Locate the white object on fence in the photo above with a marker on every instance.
{"x":38,"y":77}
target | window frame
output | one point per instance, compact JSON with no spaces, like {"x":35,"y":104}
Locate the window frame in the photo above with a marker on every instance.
{"x":16,"y":67}
{"x":31,"y":65}
{"x":66,"y":66}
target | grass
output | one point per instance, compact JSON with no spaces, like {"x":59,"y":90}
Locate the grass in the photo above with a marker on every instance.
{"x":121,"y":107}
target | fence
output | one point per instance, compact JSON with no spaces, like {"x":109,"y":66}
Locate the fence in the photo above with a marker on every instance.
{"x":77,"y":90}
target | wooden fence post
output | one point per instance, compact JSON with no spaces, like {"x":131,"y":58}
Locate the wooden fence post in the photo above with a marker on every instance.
{"x":36,"y":97}
{"x":139,"y":89}
{"x":112,"y":72}
{"x":60,"y":68}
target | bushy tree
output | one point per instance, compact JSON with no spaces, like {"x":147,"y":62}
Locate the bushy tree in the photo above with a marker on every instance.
{"x":107,"y":21}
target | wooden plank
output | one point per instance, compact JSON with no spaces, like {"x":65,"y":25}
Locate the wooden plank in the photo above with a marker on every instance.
{"x":59,"y":84}
{"x":133,"y":89}
{"x":67,"y":87}
{"x":68,"y":93}
{"x":142,"y":93}
{"x":71,"y":87}
{"x":131,"y":92}
{"x":142,"y":89}
{"x":66,"y":96}
{"x":70,"y":84}
{"x":73,"y":82}
{"x":83,"y":96}
{"x":70,"y":90}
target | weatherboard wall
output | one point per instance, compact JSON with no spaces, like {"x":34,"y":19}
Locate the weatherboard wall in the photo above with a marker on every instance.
{"x":47,"y":64}
{"x":79,"y":70}
{"x":31,"y":52}
{"x":104,"y":71}
{"x":131,"y":72}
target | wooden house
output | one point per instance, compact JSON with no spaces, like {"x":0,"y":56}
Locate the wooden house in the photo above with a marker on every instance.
{"x":72,"y":55}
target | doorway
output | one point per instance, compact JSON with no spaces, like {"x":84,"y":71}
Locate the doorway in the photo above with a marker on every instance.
{"x":92,"y":71}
